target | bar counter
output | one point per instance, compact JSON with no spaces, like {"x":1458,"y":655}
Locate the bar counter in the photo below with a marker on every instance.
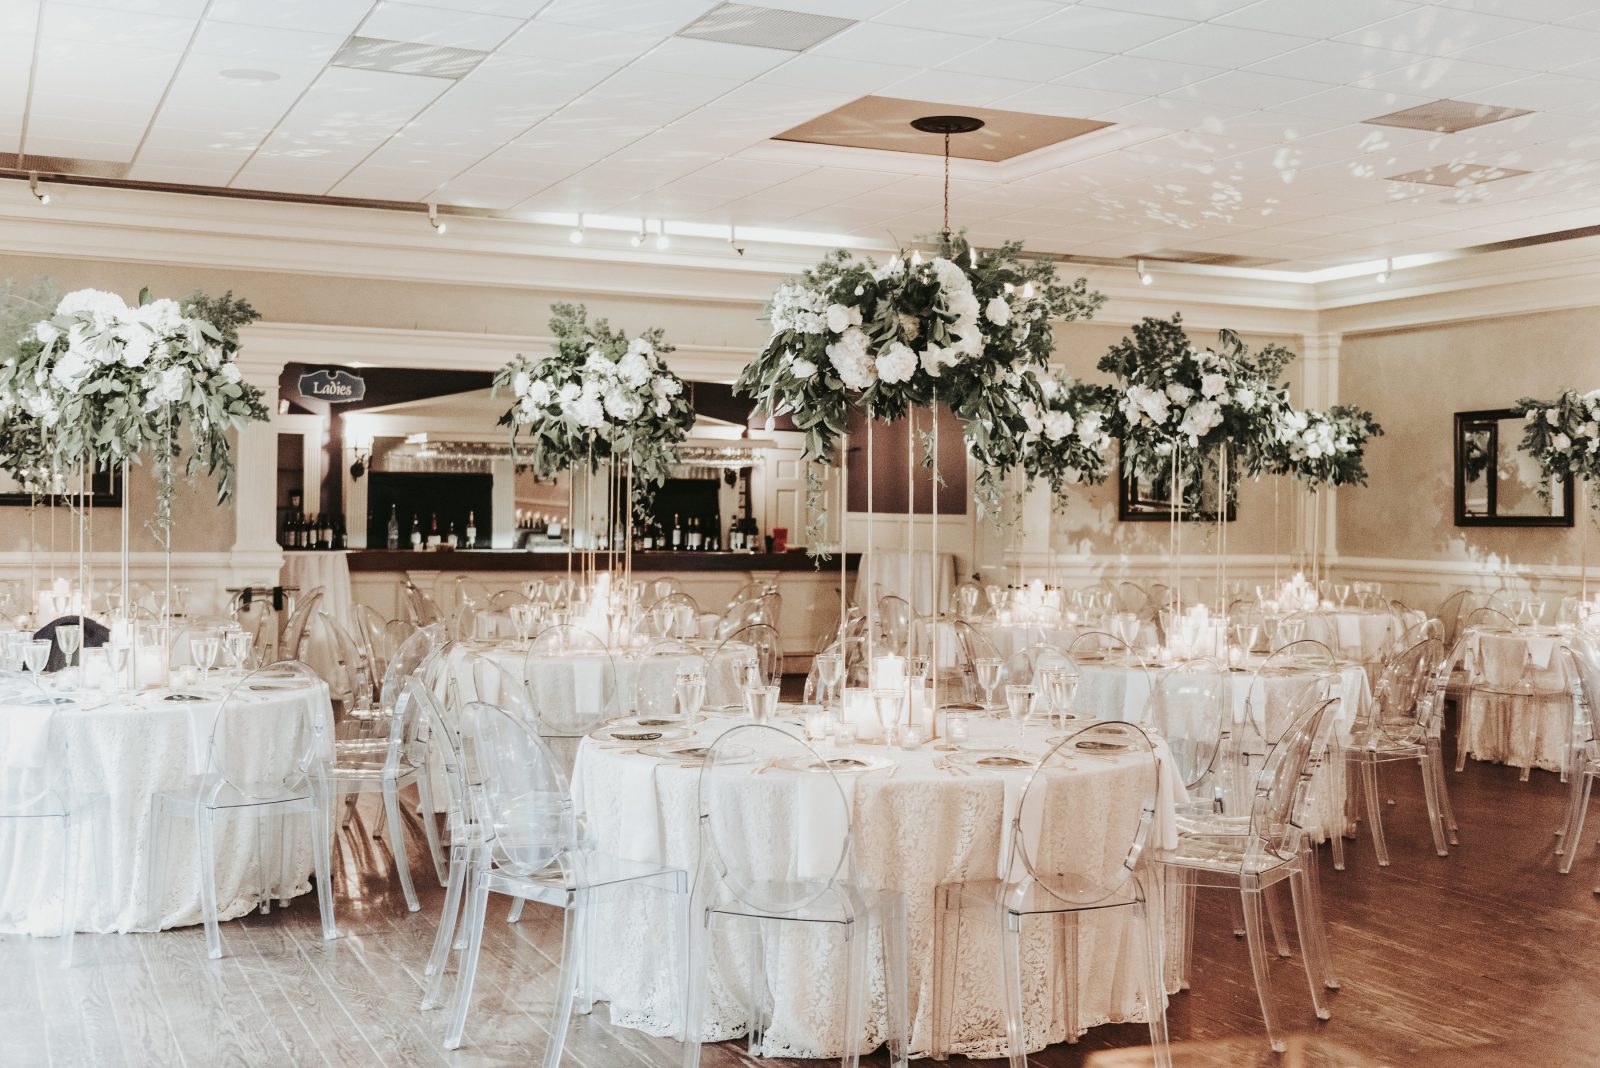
{"x":468,"y":560}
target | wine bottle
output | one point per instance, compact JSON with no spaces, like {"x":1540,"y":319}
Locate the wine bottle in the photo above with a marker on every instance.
{"x":692,"y":540}
{"x":677,"y":533}
{"x":472,"y":530}
{"x":393,"y":539}
{"x":450,"y":535}
{"x":433,"y":530}
{"x":416,"y":532}
{"x":340,"y":540}
{"x":649,"y":540}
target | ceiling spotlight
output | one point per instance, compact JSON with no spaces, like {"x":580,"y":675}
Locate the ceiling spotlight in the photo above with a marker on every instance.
{"x":662,"y":240}
{"x":33,"y":187}
{"x":1145,"y":277}
{"x":575,"y":235}
{"x":433,"y":218}
{"x":638,"y":239}
{"x":1383,"y":275}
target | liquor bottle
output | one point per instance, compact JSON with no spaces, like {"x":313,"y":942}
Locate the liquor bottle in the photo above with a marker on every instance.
{"x":450,"y":535}
{"x":340,"y":540}
{"x":677,"y":533}
{"x":692,"y":540}
{"x":433,"y":530}
{"x":648,"y":539}
{"x":416,"y":532}
{"x":324,"y":532}
{"x":393,"y":539}
{"x":472,"y":530}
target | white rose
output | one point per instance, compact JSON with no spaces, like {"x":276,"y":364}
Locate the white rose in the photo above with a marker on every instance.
{"x":1212,"y":385}
{"x":997,"y":311}
{"x":838,"y":317}
{"x":570,"y":391}
{"x":633,"y":369}
{"x":667,"y":386}
{"x":663,"y":406}
{"x":73,"y":367}
{"x":588,"y":411}
{"x":230,"y":372}
{"x":641,"y":348}
{"x":1179,"y":393}
{"x":1560,"y":442}
{"x":520,"y":383}
{"x":46,"y":333}
{"x":1057,"y":425}
{"x":898,"y":364}
{"x":168,"y":388}
{"x":1552,"y":417}
{"x":538,"y":394}
{"x":802,"y":368}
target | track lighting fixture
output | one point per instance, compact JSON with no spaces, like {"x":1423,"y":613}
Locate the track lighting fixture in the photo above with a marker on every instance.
{"x":433,"y":218}
{"x":1383,"y":275}
{"x":33,"y":187}
{"x":1145,"y":277}
{"x":575,"y":235}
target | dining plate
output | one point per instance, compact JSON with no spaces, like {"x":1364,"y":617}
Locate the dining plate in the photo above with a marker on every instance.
{"x":631,"y":731}
{"x":184,"y":697}
{"x":991,"y":759}
{"x":839,"y":765}
{"x":1090,"y":745}
{"x":692,"y":754}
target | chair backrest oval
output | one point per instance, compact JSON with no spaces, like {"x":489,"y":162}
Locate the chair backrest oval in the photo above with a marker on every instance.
{"x":767,"y":645}
{"x":1190,"y":707}
{"x":329,"y":650}
{"x":418,"y":607}
{"x":1487,"y":616}
{"x":1284,"y":679}
{"x":310,"y":601}
{"x":777,"y":835}
{"x":894,"y":623}
{"x":526,"y":800}
{"x":261,"y":754}
{"x":655,"y":677}
{"x":1080,"y":860}
{"x":371,"y":632}
{"x":1274,"y":836}
{"x":570,"y":678}
{"x":406,"y":660}
{"x":1402,"y":702}
{"x":1449,"y":613}
{"x":1584,"y":654}
{"x":743,"y":614}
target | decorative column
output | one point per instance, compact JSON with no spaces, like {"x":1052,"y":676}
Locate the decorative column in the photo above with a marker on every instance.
{"x":256,"y":556}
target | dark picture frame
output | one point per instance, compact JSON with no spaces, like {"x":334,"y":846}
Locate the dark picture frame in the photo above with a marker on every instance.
{"x":1477,"y":449}
{"x":105,"y":491}
{"x":1140,"y":501}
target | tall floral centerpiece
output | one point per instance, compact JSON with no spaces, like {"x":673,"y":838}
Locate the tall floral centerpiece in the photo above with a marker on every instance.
{"x":1321,"y":449}
{"x":1563,"y":435}
{"x":599,"y":398}
{"x":1184,"y":411}
{"x":102,"y":384}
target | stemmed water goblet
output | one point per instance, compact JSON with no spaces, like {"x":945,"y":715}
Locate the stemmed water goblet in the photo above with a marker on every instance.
{"x":203,"y":650}
{"x":761,"y":702}
{"x":69,"y":636}
{"x":37,"y":655}
{"x":690,"y":686}
{"x":1058,"y":686}
{"x":830,"y":672}
{"x":1019,"y":702}
{"x":118,"y":653}
{"x":1245,"y":636}
{"x":888,"y":705}
{"x":989,"y":671}
{"x":1342,"y":591}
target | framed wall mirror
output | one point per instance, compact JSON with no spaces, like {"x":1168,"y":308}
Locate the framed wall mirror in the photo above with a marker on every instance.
{"x":1149,"y":500}
{"x":1497,"y":483}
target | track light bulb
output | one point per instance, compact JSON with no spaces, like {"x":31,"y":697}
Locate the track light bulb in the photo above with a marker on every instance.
{"x":1145,"y":277}
{"x":1383,"y":275}
{"x":33,"y":187}
{"x":434,"y":220}
{"x":662,"y":241}
{"x":637,"y":239}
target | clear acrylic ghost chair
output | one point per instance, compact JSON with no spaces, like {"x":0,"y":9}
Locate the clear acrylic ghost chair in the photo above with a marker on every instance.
{"x":972,"y":645}
{"x":764,"y":643}
{"x":757,"y":820}
{"x":1262,"y":850}
{"x":1281,"y":687}
{"x":418,"y":607}
{"x":894,"y":624}
{"x":1060,"y":866}
{"x":662,"y":615}
{"x":37,"y":793}
{"x":530,"y":851}
{"x":263,"y":765}
{"x":1403,"y":725}
{"x":329,"y":650}
{"x":262,"y":622}
{"x":743,"y":614}
{"x":1583,"y":754}
{"x":371,"y":633}
{"x":570,"y":699}
{"x":308,"y":602}
{"x":1190,"y":707}
{"x":655,"y":671}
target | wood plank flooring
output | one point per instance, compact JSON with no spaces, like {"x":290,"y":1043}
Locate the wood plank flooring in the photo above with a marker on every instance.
{"x":1487,"y":957}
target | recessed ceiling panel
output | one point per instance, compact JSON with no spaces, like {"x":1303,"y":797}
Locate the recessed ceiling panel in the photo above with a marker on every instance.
{"x":884,"y":123}
{"x":1455,"y":175}
{"x":764,"y":27}
{"x":1447,"y":116}
{"x":405,"y":57}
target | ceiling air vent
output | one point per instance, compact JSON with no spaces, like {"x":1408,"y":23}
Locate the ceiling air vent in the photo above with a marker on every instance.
{"x":764,"y":27}
{"x":1446,"y":116}
{"x":1457,"y":175}
{"x":406,"y":57}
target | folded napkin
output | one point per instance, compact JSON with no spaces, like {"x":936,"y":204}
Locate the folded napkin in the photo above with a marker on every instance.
{"x":588,"y":690}
{"x":1349,"y":626}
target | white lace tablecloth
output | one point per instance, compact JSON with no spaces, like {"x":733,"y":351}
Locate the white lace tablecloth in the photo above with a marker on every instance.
{"x":1362,"y":634}
{"x":124,"y":751}
{"x":1519,"y":709}
{"x":328,"y":569}
{"x":915,"y":829}
{"x":925,"y":581}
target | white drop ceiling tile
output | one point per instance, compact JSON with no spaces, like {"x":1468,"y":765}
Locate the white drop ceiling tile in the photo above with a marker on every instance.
{"x":949,"y":87}
{"x":1316,"y":19}
{"x":1542,"y":48}
{"x":1099,"y":29}
{"x":273,"y":48}
{"x":1199,"y":10}
{"x":1435,"y":30}
{"x":636,"y":85}
{"x":1021,"y":59}
{"x":877,"y":42}
{"x":79,"y":68}
{"x":516,"y":9}
{"x":221,"y":157}
{"x":564,"y":43}
{"x":1273,"y":127}
{"x":637,"y":16}
{"x":833,"y":74}
{"x":387,"y":183}
{"x":485,"y":191}
{"x":992,"y":18}
{"x":1068,"y":100}
{"x":108,"y":28}
{"x":42,"y":143}
{"x":841,"y":9}
{"x":1130,"y":74}
{"x":663,"y":204}
{"x":1334,"y":62}
{"x":398,"y":154}
{"x":18,"y":19}
{"x":775,"y":108}
{"x":59,"y":112}
{"x":174,"y":175}
{"x":289,"y":175}
{"x":842,"y":180}
{"x":1220,"y":46}
{"x":392,"y":21}
{"x":1443,"y":78}
{"x":184,"y":125}
{"x":1172,"y":113}
{"x":684,"y":55}
{"x":347,"y":113}
{"x":318,"y":16}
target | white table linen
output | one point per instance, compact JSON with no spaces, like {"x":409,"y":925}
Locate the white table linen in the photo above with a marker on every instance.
{"x":916,"y":828}
{"x":125,"y":751}
{"x":328,"y":569}
{"x":921,"y":578}
{"x":1519,"y":708}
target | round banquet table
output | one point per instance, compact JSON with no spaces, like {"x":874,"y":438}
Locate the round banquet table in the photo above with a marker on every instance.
{"x":328,"y":569}
{"x":1360,"y":634}
{"x":917,"y":827}
{"x":121,"y":751}
{"x":1112,"y":689}
{"x":1519,"y":708}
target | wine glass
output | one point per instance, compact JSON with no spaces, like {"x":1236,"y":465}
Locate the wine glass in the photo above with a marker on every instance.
{"x":690,"y":685}
{"x":1126,"y":626}
{"x":1290,"y":631}
{"x":70,"y":637}
{"x":203,"y":650}
{"x":1245,"y":636}
{"x":761,"y":702}
{"x":37,"y":654}
{"x":967,"y":601}
{"x":1536,"y":608}
{"x":830,"y":672}
{"x":1059,"y":686}
{"x":888,"y":703}
{"x":1342,"y":591}
{"x":119,"y":653}
{"x":989,"y":670}
{"x":1019,"y":702}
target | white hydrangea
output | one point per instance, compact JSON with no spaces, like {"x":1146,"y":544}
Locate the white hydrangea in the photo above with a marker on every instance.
{"x":1178,"y":393}
{"x":633,"y":368}
{"x":94,"y":304}
{"x":72,"y":368}
{"x":1057,"y":425}
{"x":667,"y":386}
{"x":230,"y":372}
{"x":997,"y":311}
{"x":538,"y":394}
{"x":1213,"y":385}
{"x":1199,"y":419}
{"x":849,"y":358}
{"x":897,"y":364}
{"x":802,"y":368}
{"x":1151,"y":404}
{"x":168,"y":387}
{"x":588,"y":411}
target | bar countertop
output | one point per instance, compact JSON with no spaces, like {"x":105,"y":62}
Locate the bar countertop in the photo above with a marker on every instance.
{"x":545,"y":560}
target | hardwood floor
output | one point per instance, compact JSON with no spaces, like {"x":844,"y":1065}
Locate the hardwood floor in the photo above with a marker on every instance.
{"x":1484,"y":958}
